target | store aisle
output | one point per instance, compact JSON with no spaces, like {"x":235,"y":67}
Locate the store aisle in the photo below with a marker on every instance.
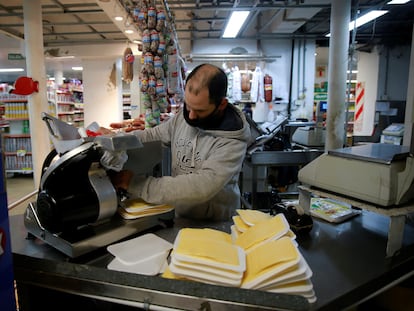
{"x":18,"y":186}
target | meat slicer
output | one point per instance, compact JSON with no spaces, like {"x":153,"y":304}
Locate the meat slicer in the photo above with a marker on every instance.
{"x":76,"y":206}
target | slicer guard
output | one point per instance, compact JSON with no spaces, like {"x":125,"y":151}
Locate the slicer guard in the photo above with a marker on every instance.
{"x":76,"y":207}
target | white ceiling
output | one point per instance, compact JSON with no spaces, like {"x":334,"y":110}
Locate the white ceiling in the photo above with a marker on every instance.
{"x":69,"y":23}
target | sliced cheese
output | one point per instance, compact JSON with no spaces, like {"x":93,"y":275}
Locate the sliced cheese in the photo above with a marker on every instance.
{"x":269,"y":259}
{"x":252,"y":217}
{"x":240,"y":224}
{"x":167,"y":274}
{"x":205,"y":233}
{"x":209,"y":247}
{"x":272,"y":228}
{"x":134,"y":205}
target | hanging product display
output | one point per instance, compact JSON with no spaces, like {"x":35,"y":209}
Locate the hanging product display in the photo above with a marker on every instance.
{"x":268,"y":88}
{"x":236,"y":84}
{"x":256,"y":92}
{"x":128,"y":65}
{"x":160,"y":75}
{"x":245,"y":83}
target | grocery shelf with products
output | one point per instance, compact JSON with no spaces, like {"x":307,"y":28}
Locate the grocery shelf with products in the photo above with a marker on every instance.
{"x":66,"y":103}
{"x":16,"y":140}
{"x":350,"y":100}
{"x":321,"y":103}
{"x":126,"y":105}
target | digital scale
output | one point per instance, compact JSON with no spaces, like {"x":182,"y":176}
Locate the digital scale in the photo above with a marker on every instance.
{"x":378,"y":173}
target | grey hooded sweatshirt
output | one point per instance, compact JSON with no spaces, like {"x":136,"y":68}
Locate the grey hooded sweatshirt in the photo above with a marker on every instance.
{"x":205,"y":165}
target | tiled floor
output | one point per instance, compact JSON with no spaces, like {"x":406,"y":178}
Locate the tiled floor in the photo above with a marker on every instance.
{"x":18,"y":187}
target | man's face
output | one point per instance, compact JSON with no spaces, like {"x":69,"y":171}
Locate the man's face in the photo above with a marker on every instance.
{"x":198,"y":106}
{"x":199,"y":112}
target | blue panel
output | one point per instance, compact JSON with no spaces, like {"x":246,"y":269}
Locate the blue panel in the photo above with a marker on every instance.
{"x":7,"y":297}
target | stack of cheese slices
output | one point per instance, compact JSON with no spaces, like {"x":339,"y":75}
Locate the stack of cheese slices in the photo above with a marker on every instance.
{"x":137,"y":208}
{"x":260,"y":253}
{"x":207,"y":255}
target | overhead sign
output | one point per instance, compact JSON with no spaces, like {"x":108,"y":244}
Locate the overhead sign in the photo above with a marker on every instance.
{"x":15,"y":56}
{"x":320,"y":96}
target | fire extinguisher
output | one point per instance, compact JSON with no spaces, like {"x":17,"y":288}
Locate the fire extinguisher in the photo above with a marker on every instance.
{"x":268,"y":86}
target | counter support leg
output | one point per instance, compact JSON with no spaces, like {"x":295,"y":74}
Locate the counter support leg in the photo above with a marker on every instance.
{"x":304,"y":200}
{"x":254,"y":186}
{"x":395,"y":234}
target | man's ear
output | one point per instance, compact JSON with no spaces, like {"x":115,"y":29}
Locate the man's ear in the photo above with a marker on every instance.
{"x":223,"y":104}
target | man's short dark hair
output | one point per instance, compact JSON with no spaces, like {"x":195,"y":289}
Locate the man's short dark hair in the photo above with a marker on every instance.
{"x":215,"y":79}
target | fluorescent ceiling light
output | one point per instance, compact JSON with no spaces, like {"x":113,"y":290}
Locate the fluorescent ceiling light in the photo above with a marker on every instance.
{"x":398,"y":1}
{"x":118,"y":18}
{"x":129,"y":31}
{"x":366,"y":18}
{"x":54,"y":79}
{"x":234,"y":24}
{"x":59,"y":57}
{"x":77,"y":68}
{"x":11,"y":69}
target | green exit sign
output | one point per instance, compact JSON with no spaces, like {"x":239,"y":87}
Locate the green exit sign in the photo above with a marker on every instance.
{"x":322,"y":96}
{"x":15,"y":56}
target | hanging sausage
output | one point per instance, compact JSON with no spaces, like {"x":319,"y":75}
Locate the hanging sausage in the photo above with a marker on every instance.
{"x":245,"y":83}
{"x":127,"y":65}
{"x":268,"y":88}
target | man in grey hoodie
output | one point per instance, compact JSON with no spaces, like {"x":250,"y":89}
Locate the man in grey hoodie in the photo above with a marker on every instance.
{"x":208,"y":138}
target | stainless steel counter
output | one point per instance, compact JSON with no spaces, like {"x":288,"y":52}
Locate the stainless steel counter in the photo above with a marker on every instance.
{"x":348,"y":263}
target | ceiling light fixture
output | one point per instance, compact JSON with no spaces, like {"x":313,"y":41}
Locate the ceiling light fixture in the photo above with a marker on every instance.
{"x":235,"y":23}
{"x":11,"y":69}
{"x":398,"y":2}
{"x":129,"y":31}
{"x":118,"y":18}
{"x":366,"y":18}
{"x":77,"y":68}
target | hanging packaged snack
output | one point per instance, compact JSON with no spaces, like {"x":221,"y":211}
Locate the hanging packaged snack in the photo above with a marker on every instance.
{"x":160,"y":26}
{"x":155,"y":40}
{"x":158,"y":70}
{"x":142,"y":18}
{"x":146,"y":41}
{"x":152,"y":17}
{"x":149,"y":63}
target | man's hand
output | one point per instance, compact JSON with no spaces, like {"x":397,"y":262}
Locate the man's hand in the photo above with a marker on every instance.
{"x":120,"y":180}
{"x":114,"y":160}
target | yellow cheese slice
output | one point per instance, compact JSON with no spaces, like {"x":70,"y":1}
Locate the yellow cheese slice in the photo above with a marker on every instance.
{"x":274,"y":227}
{"x":270,"y":257}
{"x":167,"y":274}
{"x":136,"y":205}
{"x":252,"y":217}
{"x":240,"y":224}
{"x":207,"y":245}
{"x":145,"y":212}
{"x":205,"y":233}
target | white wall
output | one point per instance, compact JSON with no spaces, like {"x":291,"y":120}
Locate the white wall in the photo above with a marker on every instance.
{"x":393,"y":72}
{"x":102,"y":97}
{"x":278,"y":67}
{"x":367,"y":73}
{"x":303,"y":79}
